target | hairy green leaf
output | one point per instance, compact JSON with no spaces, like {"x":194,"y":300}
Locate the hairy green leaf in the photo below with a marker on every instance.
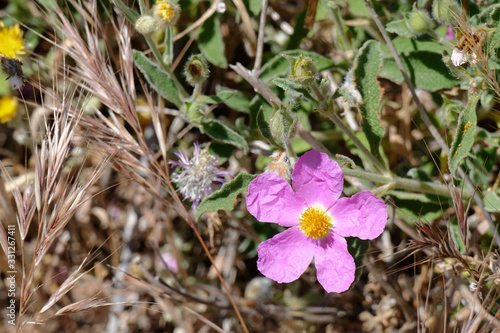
{"x":357,"y":248}
{"x":225,"y":198}
{"x":464,"y":135}
{"x":280,"y":66}
{"x":223,"y":133}
{"x":366,"y":68}
{"x":158,"y":78}
{"x":211,"y":42}
{"x":426,"y":70}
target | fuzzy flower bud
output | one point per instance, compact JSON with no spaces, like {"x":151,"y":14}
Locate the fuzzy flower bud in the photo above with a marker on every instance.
{"x":196,"y":70}
{"x":195,"y":112}
{"x":196,"y":174}
{"x":442,"y":11}
{"x":146,"y":24}
{"x":166,"y":13}
{"x":419,"y":21}
{"x":301,"y":68}
{"x":282,"y":124}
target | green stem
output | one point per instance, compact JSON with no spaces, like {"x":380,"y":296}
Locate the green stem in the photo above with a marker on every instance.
{"x":168,"y":54}
{"x":409,"y":185}
{"x":347,"y":131}
{"x":142,"y":7}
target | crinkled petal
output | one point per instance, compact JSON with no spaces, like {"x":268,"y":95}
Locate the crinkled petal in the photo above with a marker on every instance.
{"x":286,"y":256}
{"x":271,"y":199}
{"x":334,"y":264}
{"x":363,"y":215}
{"x":317,"y":179}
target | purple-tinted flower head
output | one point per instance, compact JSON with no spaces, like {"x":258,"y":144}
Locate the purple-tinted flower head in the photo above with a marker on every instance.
{"x":196,"y":174}
{"x":319,"y":222}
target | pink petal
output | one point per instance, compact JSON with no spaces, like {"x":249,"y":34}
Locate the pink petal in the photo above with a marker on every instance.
{"x":286,"y":256}
{"x":363,"y":215}
{"x":334,"y":264}
{"x":271,"y":199}
{"x":317,"y":179}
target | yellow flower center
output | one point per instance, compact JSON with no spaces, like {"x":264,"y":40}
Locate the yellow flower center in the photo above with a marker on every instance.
{"x":166,"y":11}
{"x":11,"y":41}
{"x":315,"y":222}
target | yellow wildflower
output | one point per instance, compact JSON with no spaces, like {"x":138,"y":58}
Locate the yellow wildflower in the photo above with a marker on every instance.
{"x":166,"y":12}
{"x":11,"y":41}
{"x":8,"y":108}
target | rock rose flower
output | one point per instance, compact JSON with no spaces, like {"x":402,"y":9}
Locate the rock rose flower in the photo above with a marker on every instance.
{"x":319,"y":222}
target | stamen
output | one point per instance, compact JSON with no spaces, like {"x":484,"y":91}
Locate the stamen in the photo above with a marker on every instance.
{"x":315,"y":222}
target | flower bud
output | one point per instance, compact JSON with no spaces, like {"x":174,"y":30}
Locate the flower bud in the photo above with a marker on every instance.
{"x":196,"y":70}
{"x":282,"y":124}
{"x":194,"y":112}
{"x":301,"y":68}
{"x":146,"y":24}
{"x":442,"y":11}
{"x":419,"y":21}
{"x":166,"y":13}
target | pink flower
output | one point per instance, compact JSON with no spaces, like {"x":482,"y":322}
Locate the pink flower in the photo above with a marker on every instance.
{"x":449,"y":34}
{"x":319,"y":222}
{"x":458,"y":57}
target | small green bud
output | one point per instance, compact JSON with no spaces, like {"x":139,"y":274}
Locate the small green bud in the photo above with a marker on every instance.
{"x":419,"y":21}
{"x":195,"y":112}
{"x":196,"y":70}
{"x":442,"y":11}
{"x":282,"y":124}
{"x":146,"y":24}
{"x":301,"y":68}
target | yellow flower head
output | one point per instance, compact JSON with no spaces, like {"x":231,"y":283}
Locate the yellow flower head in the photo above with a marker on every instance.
{"x":8,"y":108}
{"x":166,"y":12}
{"x":11,"y":41}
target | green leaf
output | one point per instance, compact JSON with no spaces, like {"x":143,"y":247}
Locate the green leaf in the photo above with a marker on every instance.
{"x":484,"y":16}
{"x":456,"y":236}
{"x":366,"y":68}
{"x":400,"y":28}
{"x":279,"y":66}
{"x":235,"y":99}
{"x":223,"y":133}
{"x":357,"y":248}
{"x":225,"y":198}
{"x":343,"y":160}
{"x":158,"y":78}
{"x":407,"y":45}
{"x":492,"y":202}
{"x":418,"y":207}
{"x":299,"y":31}
{"x":426,"y":70}
{"x":494,"y":40}
{"x":464,"y":135}
{"x":211,"y":42}
{"x":263,"y":126}
{"x":294,"y":88}
{"x":130,"y":14}
{"x":253,"y":7}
